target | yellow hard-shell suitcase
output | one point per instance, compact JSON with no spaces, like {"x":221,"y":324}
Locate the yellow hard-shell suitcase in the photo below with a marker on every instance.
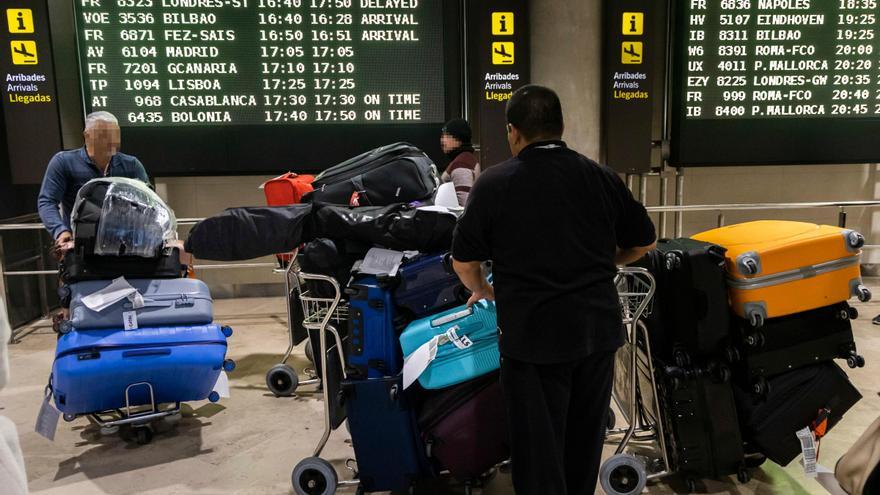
{"x":777,"y":268}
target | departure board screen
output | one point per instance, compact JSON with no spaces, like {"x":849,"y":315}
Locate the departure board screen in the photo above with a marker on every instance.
{"x":161,"y":63}
{"x":776,"y":81}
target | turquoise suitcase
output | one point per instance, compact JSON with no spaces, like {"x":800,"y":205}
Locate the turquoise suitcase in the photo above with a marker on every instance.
{"x":451,"y":347}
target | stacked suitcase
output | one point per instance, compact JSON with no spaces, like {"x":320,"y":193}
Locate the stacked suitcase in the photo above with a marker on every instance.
{"x":451,"y":424}
{"x":746,"y":323}
{"x":139,"y":336}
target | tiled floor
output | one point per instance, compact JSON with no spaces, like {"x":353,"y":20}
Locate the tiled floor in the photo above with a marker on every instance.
{"x":249,"y":443}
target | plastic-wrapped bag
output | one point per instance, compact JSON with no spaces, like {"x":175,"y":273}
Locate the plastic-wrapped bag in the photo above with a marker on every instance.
{"x":132,"y":219}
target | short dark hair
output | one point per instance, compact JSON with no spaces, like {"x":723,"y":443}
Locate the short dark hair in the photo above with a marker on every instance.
{"x":536,"y":112}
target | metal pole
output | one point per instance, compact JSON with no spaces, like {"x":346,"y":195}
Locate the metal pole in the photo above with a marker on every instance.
{"x":720,"y":219}
{"x":41,"y":280}
{"x":664,"y":190}
{"x":629,"y":181}
{"x":643,"y":188}
{"x":841,"y":217}
{"x":679,"y":200}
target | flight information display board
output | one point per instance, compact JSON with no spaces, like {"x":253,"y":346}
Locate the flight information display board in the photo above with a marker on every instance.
{"x":159,"y":63}
{"x":776,"y":81}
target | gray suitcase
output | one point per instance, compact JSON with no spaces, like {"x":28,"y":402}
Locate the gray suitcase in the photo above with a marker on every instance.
{"x":175,"y":301}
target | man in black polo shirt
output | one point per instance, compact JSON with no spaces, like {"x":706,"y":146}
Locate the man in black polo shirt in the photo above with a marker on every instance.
{"x":555,"y":225}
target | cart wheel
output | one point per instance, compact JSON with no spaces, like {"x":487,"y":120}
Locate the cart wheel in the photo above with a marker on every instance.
{"x":314,"y":476}
{"x":228,"y":365}
{"x":282,"y":380}
{"x":623,"y":474}
{"x":743,"y":475}
{"x":310,"y":353}
{"x":106,"y":431}
{"x":864,"y":293}
{"x":691,"y":485}
{"x":761,"y":387}
{"x":852,"y":312}
{"x":612,"y":419}
{"x":69,"y":417}
{"x":143,"y":435}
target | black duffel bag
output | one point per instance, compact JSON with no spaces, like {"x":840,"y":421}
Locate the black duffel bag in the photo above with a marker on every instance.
{"x":396,"y":173}
{"x":400,"y":227}
{"x":250,"y":232}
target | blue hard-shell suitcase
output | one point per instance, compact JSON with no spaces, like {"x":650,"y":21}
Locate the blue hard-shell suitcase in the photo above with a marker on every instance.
{"x":467,"y":344}
{"x":373,"y":351}
{"x":388,"y":447}
{"x":93,"y":368}
{"x":427,"y":284}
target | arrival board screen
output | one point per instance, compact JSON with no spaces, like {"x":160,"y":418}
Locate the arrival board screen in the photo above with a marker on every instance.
{"x":157,"y":63}
{"x":777,"y":81}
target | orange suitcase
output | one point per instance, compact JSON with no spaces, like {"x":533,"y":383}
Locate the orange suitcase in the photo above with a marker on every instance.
{"x":778,"y":268}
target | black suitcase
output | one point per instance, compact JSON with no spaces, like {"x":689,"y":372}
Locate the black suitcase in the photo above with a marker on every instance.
{"x":76,"y":266}
{"x":702,"y":429}
{"x":396,"y":173}
{"x":690,"y":316}
{"x":793,"y":402}
{"x":791,"y":342}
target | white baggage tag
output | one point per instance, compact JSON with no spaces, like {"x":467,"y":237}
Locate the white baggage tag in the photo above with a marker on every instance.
{"x":380,"y":261}
{"x":222,"y":385}
{"x":47,"y":419}
{"x":462,"y":342}
{"x":808,"y":448}
{"x":130,"y":320}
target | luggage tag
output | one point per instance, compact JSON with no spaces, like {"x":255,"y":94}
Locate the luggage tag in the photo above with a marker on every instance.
{"x":222,"y":385}
{"x":130,"y":320}
{"x":47,"y":418}
{"x":808,"y":448}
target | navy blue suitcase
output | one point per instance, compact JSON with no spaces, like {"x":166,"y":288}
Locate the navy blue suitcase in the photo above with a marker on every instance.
{"x":427,"y":284}
{"x":389,"y":450}
{"x":373,"y":348}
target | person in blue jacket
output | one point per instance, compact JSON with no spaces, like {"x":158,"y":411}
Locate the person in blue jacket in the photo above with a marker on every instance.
{"x":69,"y":170}
{"x":555,"y":225}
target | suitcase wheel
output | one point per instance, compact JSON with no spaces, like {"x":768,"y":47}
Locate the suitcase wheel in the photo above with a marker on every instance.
{"x":612,"y":419}
{"x":314,"y":476}
{"x":743,"y":475}
{"x":761,"y":387}
{"x":228,"y":365}
{"x":65,"y":327}
{"x":69,"y":417}
{"x":227,"y":331}
{"x":282,"y":380}
{"x":756,"y":320}
{"x":214,"y":396}
{"x":623,"y":474}
{"x":755,"y":340}
{"x":852,"y":313}
{"x":863,"y":293}
{"x":855,"y":361}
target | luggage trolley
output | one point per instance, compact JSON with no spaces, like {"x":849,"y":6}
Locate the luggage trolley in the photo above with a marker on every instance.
{"x":635,"y":393}
{"x":281,"y":379}
{"x":314,"y":475}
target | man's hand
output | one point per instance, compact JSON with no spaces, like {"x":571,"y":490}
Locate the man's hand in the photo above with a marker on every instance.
{"x":486,"y":292}
{"x":63,"y":237}
{"x":63,"y":243}
{"x":471,"y":275}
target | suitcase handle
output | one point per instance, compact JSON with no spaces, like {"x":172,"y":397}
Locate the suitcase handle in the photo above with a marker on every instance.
{"x":146,"y":352}
{"x":452,"y":317}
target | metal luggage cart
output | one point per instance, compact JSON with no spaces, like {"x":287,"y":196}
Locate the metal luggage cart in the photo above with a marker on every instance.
{"x":314,"y":475}
{"x":139,"y":417}
{"x":635,"y":394}
{"x":281,"y":379}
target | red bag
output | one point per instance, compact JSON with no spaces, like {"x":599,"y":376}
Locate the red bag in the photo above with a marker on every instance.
{"x":287,"y":189}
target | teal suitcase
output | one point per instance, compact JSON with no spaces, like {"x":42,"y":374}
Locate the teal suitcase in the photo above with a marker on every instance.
{"x":451,"y":347}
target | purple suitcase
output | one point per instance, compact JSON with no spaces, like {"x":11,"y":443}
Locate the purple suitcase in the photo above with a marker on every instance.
{"x":465,"y":427}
